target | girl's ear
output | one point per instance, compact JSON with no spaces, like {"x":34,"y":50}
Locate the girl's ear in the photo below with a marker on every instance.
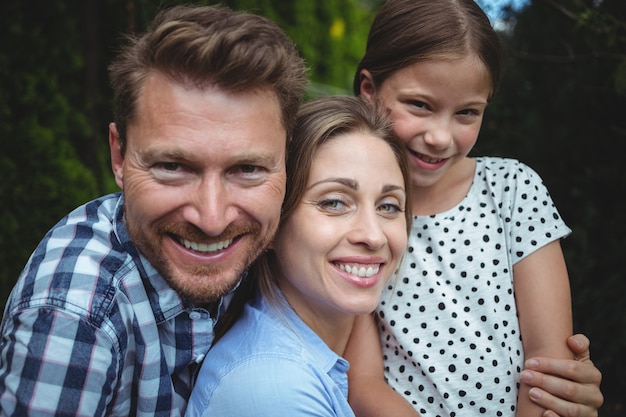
{"x":366,"y":85}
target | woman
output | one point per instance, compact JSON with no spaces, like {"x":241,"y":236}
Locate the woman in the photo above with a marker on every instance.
{"x":343,"y":231}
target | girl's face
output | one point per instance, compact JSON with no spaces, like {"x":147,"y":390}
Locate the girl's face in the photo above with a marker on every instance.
{"x":437,"y":108}
{"x":346,"y":236}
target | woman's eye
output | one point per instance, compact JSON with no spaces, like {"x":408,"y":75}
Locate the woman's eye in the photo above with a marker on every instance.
{"x":331,"y":204}
{"x":390,"y":208}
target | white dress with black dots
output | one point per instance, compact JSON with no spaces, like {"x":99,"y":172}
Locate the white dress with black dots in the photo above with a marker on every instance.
{"x":449,"y":330}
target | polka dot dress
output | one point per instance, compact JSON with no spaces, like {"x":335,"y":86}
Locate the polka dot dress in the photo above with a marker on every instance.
{"x":450,"y":335}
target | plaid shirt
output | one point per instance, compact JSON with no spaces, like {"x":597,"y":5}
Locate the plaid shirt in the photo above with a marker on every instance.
{"x":91,"y":329}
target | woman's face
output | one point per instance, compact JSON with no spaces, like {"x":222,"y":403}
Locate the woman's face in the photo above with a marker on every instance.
{"x":346,"y":236}
{"x":437,"y":108}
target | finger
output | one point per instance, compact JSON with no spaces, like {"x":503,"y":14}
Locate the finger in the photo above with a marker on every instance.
{"x":579,"y":345}
{"x":582,"y":372}
{"x":562,"y":393}
{"x":559,"y":407}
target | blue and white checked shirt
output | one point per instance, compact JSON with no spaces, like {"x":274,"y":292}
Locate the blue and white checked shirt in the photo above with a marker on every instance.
{"x":91,"y":329}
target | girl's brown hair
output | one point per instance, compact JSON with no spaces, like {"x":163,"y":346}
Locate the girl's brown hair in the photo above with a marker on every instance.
{"x":408,"y":31}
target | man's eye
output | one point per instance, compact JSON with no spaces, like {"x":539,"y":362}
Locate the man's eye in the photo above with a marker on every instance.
{"x":170,"y":166}
{"x":248,"y":169}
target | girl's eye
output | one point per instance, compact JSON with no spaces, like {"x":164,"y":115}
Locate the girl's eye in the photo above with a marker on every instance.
{"x":417,"y":103}
{"x":469,"y":112}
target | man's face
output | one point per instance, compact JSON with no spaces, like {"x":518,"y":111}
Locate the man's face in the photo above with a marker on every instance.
{"x":203,"y":177}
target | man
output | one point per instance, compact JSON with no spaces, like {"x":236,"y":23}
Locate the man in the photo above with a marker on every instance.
{"x":115,"y":309}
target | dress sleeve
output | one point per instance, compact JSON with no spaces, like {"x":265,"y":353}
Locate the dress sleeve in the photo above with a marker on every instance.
{"x":535,"y":219}
{"x":263,"y":387}
{"x":55,"y":363}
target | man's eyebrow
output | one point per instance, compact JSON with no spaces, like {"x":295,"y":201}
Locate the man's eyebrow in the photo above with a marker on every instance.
{"x":159,"y":153}
{"x":183,"y":155}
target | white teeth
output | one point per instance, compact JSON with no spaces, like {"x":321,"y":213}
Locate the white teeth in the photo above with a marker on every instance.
{"x":206,"y":247}
{"x":429,"y":160}
{"x":360,"y":271}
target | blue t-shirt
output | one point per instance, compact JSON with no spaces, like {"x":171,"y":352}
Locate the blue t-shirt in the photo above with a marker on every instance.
{"x":270,"y":363}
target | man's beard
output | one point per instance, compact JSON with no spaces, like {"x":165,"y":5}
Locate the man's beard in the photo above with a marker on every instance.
{"x":200,"y":284}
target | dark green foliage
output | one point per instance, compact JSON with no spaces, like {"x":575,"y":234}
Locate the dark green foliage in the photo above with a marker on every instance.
{"x":561,"y":110}
{"x":41,"y":174}
{"x":331,"y":36}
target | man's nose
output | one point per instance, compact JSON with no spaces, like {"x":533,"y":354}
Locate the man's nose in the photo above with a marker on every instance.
{"x":212,"y":207}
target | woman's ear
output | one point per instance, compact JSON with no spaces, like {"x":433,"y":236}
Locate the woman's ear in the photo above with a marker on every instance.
{"x":366,"y":86}
{"x":117,"y":159}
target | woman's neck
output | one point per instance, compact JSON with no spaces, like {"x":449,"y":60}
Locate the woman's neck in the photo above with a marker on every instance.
{"x":332,"y":326}
{"x":334,"y":333}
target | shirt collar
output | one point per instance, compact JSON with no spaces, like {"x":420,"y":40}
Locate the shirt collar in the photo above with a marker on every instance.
{"x":318,"y":350}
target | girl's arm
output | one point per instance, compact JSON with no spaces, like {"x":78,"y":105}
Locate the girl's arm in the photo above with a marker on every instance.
{"x":368,"y":392}
{"x":543,"y":299}
{"x":566,"y":387}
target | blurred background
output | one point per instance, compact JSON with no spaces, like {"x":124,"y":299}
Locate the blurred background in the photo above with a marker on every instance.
{"x":561,"y":109}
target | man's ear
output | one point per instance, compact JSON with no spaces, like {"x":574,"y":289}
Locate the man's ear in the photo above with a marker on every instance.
{"x":117,"y":159}
{"x":366,"y":86}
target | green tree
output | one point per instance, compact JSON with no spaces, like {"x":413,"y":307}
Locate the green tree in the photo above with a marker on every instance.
{"x":42,"y":174}
{"x":331,"y":36}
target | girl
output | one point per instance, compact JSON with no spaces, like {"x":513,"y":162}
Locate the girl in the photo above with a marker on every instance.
{"x":484,"y":282}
